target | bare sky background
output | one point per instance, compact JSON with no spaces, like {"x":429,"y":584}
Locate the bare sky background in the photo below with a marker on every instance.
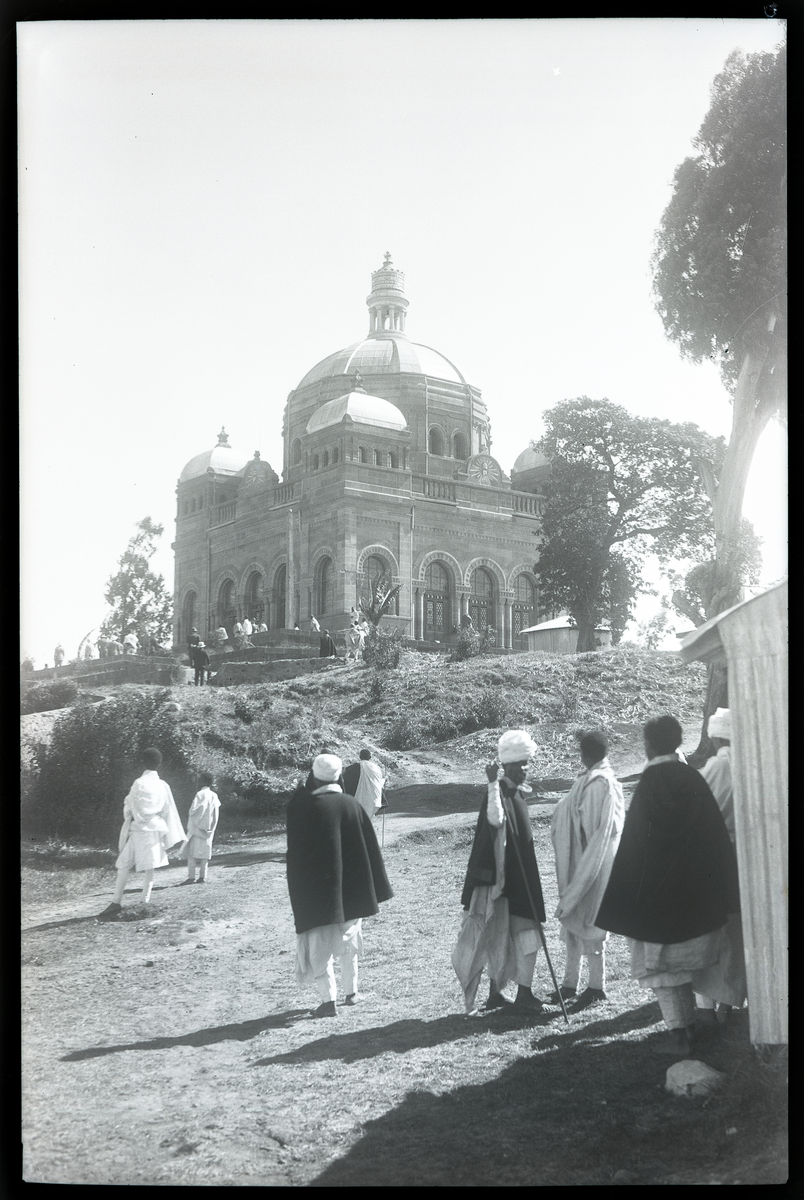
{"x":202,"y":204}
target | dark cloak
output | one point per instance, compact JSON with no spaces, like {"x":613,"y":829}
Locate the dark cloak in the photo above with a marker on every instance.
{"x":481,"y":871}
{"x":335,"y":869}
{"x":326,"y":647}
{"x":675,"y":874}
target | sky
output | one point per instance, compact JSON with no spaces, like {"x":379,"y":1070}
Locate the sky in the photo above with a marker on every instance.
{"x":202,"y":204}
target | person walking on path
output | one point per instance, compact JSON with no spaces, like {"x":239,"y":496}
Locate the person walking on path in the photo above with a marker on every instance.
{"x":314,"y":626}
{"x":151,"y":825}
{"x":673,"y":881}
{"x":336,"y":877}
{"x":201,"y":825}
{"x":200,"y":661}
{"x":326,"y":648}
{"x":365,"y":781}
{"x":502,"y":887}
{"x":724,"y":984}
{"x":586,"y":830}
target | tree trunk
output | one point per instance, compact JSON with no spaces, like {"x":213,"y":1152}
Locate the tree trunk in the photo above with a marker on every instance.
{"x":748,"y":421}
{"x":586,"y":633}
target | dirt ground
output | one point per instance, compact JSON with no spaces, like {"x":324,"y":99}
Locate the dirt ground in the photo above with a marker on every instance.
{"x":175,"y":1048}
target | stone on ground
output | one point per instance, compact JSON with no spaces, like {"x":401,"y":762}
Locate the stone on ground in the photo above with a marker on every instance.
{"x":692,"y":1078}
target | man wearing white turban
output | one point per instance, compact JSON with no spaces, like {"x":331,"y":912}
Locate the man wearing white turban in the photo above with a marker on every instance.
{"x":502,"y":887}
{"x":336,"y":876}
{"x":723,"y":984}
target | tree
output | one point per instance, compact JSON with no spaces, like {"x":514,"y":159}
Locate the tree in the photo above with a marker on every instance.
{"x":620,"y":487}
{"x":138,"y":598}
{"x":720,"y":281}
{"x":382,"y":593}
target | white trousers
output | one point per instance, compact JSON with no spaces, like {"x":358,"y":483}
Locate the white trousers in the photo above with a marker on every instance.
{"x":316,"y":951}
{"x":595,"y":954}
{"x":677,"y":1005}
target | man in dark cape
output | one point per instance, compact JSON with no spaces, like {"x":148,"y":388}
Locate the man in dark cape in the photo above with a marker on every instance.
{"x":674,"y":880}
{"x":326,"y":646}
{"x":502,"y":894}
{"x":336,"y":876}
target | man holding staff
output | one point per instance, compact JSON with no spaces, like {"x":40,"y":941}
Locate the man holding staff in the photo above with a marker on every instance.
{"x":502,"y":895}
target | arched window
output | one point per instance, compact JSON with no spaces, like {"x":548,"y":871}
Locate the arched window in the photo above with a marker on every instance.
{"x":524,"y":611}
{"x":435,"y":442}
{"x":393,"y":459}
{"x":325,"y":459}
{"x":362,"y":454}
{"x":375,"y":569}
{"x":378,"y":458}
{"x":255,"y":606}
{"x":325,"y":590}
{"x":316,"y":462}
{"x":227,"y":613}
{"x":437,"y":614}
{"x":192,"y":504}
{"x":188,"y":617}
{"x":459,"y":447}
{"x":335,"y":455}
{"x":482,"y":608}
{"x":295,"y":452}
{"x":280,"y":597}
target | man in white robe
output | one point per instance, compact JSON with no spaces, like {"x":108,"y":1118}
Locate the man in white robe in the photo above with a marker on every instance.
{"x":586,"y":830}
{"x":723,"y":984}
{"x":365,"y":781}
{"x":151,"y":825}
{"x":202,"y":822}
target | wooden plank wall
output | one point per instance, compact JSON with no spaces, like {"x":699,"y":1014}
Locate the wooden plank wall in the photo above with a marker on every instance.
{"x":754,"y":637}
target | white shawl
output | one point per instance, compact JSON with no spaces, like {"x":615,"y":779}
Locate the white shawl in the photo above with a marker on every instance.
{"x":586,"y":830}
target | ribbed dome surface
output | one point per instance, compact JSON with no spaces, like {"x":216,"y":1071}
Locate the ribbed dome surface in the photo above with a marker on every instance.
{"x":384,"y":356}
{"x":222,"y":459}
{"x":362,"y":408}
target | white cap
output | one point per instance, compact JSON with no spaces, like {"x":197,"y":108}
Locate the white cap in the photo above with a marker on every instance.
{"x":720,"y":724}
{"x":515,"y":746}
{"x":328,"y":768}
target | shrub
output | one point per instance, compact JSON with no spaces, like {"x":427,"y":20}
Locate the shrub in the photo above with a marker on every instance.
{"x":376,"y":687}
{"x":244,"y":710}
{"x":45,"y":696}
{"x":383,"y":648}
{"x":404,"y":734}
{"x":472,"y":643}
{"x":83,"y":775}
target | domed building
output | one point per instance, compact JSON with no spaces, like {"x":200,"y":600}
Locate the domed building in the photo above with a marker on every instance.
{"x":387,"y":472}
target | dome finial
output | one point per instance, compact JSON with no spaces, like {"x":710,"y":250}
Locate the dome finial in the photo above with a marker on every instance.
{"x":387,"y":303}
{"x":223,"y":437}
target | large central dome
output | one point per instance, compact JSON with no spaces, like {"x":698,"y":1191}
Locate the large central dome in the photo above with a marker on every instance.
{"x":389,"y":355}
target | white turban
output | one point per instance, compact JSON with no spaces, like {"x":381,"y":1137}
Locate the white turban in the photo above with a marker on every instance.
{"x":720,"y":724}
{"x":515,"y":746}
{"x":327,"y":768}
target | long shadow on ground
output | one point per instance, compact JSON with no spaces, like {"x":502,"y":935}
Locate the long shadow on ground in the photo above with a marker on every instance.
{"x":240,"y":1032}
{"x":571,"y":1115}
{"x":401,"y":1036}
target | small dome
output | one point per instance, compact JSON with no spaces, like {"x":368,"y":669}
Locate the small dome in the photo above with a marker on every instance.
{"x":529,"y":459}
{"x":222,"y":459}
{"x":363,"y":410}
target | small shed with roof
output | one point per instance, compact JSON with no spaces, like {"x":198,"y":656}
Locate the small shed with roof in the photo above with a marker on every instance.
{"x":560,"y":636}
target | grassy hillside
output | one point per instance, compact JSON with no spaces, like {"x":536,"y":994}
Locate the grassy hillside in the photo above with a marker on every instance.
{"x":427,"y":721}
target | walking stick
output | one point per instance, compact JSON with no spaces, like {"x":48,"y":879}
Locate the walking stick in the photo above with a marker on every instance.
{"x":510,"y":828}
